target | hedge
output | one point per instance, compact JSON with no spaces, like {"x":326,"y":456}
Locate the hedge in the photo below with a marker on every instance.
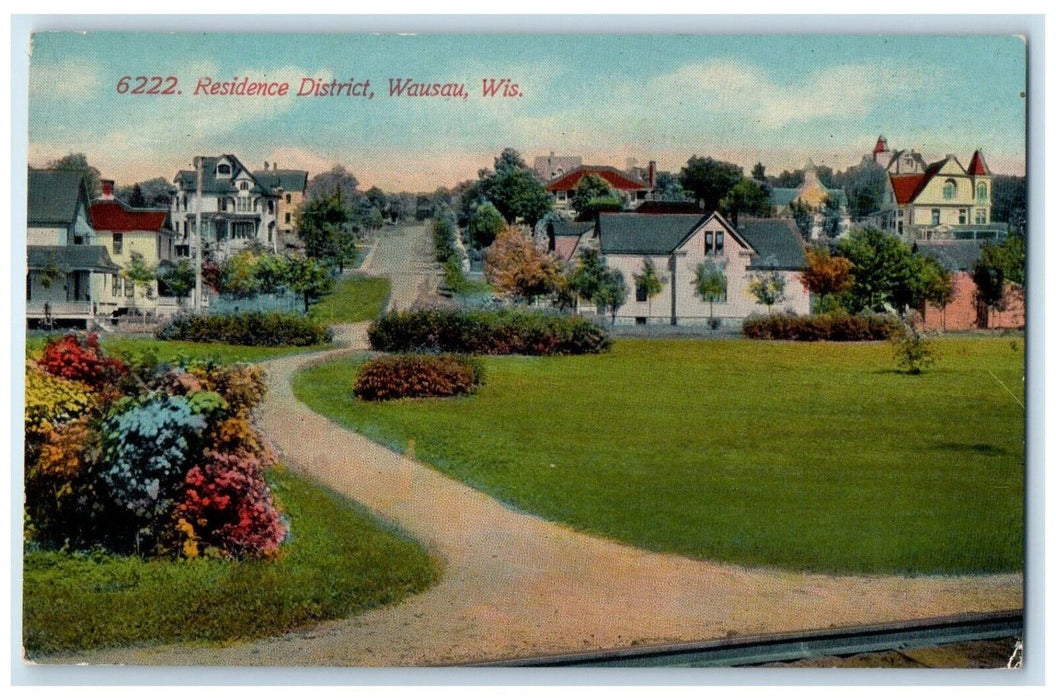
{"x":415,"y":376}
{"x":247,"y":328}
{"x":837,"y":326}
{"x":485,"y":332}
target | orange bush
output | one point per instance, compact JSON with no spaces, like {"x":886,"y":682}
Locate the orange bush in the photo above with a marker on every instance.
{"x":407,"y":376}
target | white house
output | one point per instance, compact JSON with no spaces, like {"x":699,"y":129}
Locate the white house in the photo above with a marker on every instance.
{"x":69,"y":275}
{"x":237,"y":209}
{"x":680,"y":244}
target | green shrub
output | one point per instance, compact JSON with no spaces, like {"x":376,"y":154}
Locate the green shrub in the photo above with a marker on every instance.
{"x":248,"y":328}
{"x":834,"y":326}
{"x":913,"y":350}
{"x":413,"y":376}
{"x":480,"y":332}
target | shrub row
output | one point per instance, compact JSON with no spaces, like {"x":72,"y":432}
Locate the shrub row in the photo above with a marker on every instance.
{"x":836,"y":326}
{"x":414,"y":376}
{"x":155,"y":459}
{"x":247,"y":328}
{"x":481,"y":332}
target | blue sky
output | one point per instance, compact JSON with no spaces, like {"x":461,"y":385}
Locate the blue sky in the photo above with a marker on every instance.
{"x":770,"y":98}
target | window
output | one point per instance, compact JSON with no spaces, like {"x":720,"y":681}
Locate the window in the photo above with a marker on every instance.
{"x":289,"y":198}
{"x":243,"y":185}
{"x":114,"y":288}
{"x":709,"y":242}
{"x":223,"y":169}
{"x":287,"y":217}
{"x":980,"y":216}
{"x":962,"y":216}
{"x":949,"y":189}
{"x":129,"y":288}
{"x":639,"y":293}
{"x":719,"y":236}
{"x":119,"y":243}
{"x":242,"y":229}
{"x":934,"y":217}
{"x":980,"y":193}
{"x":640,"y":320}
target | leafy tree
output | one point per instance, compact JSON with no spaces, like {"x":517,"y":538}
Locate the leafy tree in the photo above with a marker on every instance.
{"x":803,"y":216}
{"x":938,"y":287}
{"x":827,"y":277}
{"x":271,"y":273}
{"x":668,"y":188}
{"x":612,"y":294}
{"x":746,"y":197}
{"x":650,"y":282}
{"x":156,"y":193}
{"x":325,"y":226}
{"x":710,"y":285}
{"x":997,"y":266}
{"x":759,"y":172}
{"x":79,"y":162}
{"x":881,"y":262}
{"x":709,"y":180}
{"x":768,"y":286}
{"x":590,"y":210}
{"x":913,"y":350}
{"x":864,"y":186}
{"x":136,"y":198}
{"x":589,"y":188}
{"x":139,"y":274}
{"x":485,"y":225}
{"x":336,"y":179}
{"x":309,"y":278}
{"x":588,"y":276}
{"x":515,"y":266}
{"x":236,"y":275}
{"x":177,"y":279}
{"x":1008,"y":198}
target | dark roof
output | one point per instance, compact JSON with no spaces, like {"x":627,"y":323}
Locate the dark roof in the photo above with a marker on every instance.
{"x":616,"y":178}
{"x":783,"y":196}
{"x":563,"y":227}
{"x":70,"y":257}
{"x":53,"y":196}
{"x":654,"y":206}
{"x":955,"y":256}
{"x":115,"y":215}
{"x":776,"y":241}
{"x":288,"y":180}
{"x":645,"y":234}
{"x":187,"y":179}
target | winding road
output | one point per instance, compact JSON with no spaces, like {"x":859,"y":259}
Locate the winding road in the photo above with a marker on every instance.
{"x":514,"y":584}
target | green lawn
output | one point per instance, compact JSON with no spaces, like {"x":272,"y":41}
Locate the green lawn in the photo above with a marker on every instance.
{"x":811,"y":456}
{"x":339,"y":561}
{"x":355,"y":298}
{"x":173,"y":350}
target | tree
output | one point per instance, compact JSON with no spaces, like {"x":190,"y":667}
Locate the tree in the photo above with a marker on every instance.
{"x":136,"y":199}
{"x":336,"y":179}
{"x":768,"y":286}
{"x":139,"y":274}
{"x":271,"y":273}
{"x":938,"y":287}
{"x":589,"y":188}
{"x":177,"y":280}
{"x":997,"y":266}
{"x":827,"y":277}
{"x":612,"y":293}
{"x":485,"y":225}
{"x":759,"y":172}
{"x":864,"y":186}
{"x":1008,"y":196}
{"x":589,"y":274}
{"x":668,"y":188}
{"x":881,"y":262}
{"x":709,"y":180}
{"x":514,"y":190}
{"x":710,"y":285}
{"x":325,"y":225}
{"x":803,"y":216}
{"x":309,"y":278}
{"x":515,"y":266}
{"x":649,"y":282}
{"x":746,"y":197}
{"x":79,"y":162}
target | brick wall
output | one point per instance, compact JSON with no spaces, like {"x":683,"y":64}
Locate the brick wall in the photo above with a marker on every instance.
{"x":962,"y":313}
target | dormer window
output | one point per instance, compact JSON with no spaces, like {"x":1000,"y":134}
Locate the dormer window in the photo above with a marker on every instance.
{"x":223,"y":169}
{"x":949,"y":189}
{"x":243,"y":185}
{"x":980,"y":193}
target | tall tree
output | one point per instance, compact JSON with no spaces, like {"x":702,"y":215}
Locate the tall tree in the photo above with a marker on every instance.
{"x":864,"y":186}
{"x":79,"y":162}
{"x":759,"y":172}
{"x":1008,"y":197}
{"x":612,"y":294}
{"x":514,"y":265}
{"x":325,"y":225}
{"x":589,"y":274}
{"x":513,"y":189}
{"x":156,"y":192}
{"x":827,"y":277}
{"x":747,"y":197}
{"x":668,"y":188}
{"x":485,"y":225}
{"x":589,"y":188}
{"x":176,"y":279}
{"x":309,"y":278}
{"x":136,"y":199}
{"x":336,"y":179}
{"x":709,"y":180}
{"x":882,"y":263}
{"x":139,"y":275}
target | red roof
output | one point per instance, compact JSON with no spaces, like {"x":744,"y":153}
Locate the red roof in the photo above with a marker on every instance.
{"x":113,"y":215}
{"x":614,"y":177}
{"x":881,"y":146}
{"x":978,"y":165}
{"x":907,"y":187}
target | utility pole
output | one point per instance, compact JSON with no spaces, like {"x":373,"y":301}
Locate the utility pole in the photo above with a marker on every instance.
{"x":198,"y":236}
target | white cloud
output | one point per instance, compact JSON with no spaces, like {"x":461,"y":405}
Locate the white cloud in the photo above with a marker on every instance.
{"x":63,"y":81}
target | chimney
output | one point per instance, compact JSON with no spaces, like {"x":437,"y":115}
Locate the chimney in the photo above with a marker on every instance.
{"x":108,"y":189}
{"x":265,"y":166}
{"x":652,"y":174}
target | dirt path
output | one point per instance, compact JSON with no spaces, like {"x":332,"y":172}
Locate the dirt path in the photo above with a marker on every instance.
{"x":405,"y":256}
{"x":515,"y":585}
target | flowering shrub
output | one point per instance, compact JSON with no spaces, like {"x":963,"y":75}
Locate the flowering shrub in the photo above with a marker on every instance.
{"x":228,"y":504}
{"x":242,"y":386}
{"x":235,"y":435}
{"x":81,"y":360}
{"x":50,"y":401}
{"x":400,"y":376}
{"x":834,"y":326}
{"x":248,"y":328}
{"x":147,"y":446}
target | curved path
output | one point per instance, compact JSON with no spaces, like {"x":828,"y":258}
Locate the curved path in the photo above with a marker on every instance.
{"x":514,"y":584}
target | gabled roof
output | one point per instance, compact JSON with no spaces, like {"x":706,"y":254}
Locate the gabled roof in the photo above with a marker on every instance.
{"x":617,"y":179}
{"x":187,"y":179}
{"x":653,"y":206}
{"x":978,"y":165}
{"x":564,"y":228}
{"x":955,"y":255}
{"x":115,"y":215}
{"x":53,"y":196}
{"x":907,"y":187}
{"x":776,"y":242}
{"x":93,"y":258}
{"x":645,"y":234}
{"x":288,"y":180}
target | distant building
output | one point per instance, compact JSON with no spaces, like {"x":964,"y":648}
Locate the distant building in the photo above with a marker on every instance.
{"x":238,"y":210}
{"x":551,"y":167}
{"x":814,"y":195}
{"x":630,"y":189}
{"x":965,"y":311}
{"x":290,"y":186}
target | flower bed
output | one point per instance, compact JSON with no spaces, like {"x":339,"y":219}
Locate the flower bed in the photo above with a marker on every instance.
{"x":146,"y":459}
{"x":504,"y":332}
{"x":404,"y":376}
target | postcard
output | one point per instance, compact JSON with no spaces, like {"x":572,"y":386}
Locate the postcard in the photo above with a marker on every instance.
{"x":471,"y":349}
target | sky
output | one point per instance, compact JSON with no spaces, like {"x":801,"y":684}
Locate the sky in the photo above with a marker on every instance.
{"x":775,"y":99}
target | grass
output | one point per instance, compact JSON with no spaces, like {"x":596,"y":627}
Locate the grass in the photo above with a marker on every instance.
{"x":813,"y":457}
{"x":339,"y":562}
{"x":173,"y":350}
{"x":355,"y":298}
